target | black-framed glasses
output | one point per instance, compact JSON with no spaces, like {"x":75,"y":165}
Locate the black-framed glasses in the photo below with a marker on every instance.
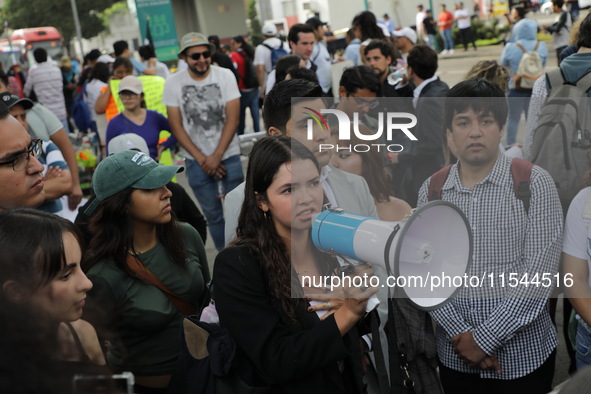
{"x":21,"y":161}
{"x":372,"y":104}
{"x":197,"y":55}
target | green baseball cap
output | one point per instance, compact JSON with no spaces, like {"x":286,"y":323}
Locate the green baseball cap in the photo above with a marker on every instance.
{"x":192,"y":40}
{"x":128,"y":169}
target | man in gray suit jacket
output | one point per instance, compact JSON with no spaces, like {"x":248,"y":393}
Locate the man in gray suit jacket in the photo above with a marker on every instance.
{"x":341,"y":189}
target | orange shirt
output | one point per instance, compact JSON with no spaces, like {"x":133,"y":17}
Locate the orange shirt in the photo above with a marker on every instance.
{"x":446,"y":20}
{"x":112,"y":109}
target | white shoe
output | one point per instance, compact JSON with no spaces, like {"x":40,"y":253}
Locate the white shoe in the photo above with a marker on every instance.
{"x":451,"y":51}
{"x":444,"y":52}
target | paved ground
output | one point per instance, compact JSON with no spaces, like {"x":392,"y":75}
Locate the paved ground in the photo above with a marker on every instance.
{"x":452,"y":70}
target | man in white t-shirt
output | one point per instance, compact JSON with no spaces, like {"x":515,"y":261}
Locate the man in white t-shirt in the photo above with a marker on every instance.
{"x":419,"y":22}
{"x":203,"y":104}
{"x":262,"y":54}
{"x":462,"y":17}
{"x":320,"y":56}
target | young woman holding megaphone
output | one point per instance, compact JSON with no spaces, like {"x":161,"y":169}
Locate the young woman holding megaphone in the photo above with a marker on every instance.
{"x":281,"y":345}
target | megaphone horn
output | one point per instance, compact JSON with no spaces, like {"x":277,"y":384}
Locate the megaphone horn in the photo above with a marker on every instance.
{"x":434,"y":242}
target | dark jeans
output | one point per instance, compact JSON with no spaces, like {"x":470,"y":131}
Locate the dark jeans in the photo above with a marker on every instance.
{"x":249,"y":99}
{"x":467,"y":37}
{"x":537,"y":382}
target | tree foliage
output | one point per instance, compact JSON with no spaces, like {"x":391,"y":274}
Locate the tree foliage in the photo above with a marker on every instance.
{"x":57,"y":13}
{"x":255,"y":25}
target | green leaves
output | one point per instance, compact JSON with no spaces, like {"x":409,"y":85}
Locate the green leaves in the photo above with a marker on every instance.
{"x":57,"y":13}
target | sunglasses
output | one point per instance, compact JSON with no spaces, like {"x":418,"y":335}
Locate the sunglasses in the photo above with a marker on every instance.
{"x":197,"y":55}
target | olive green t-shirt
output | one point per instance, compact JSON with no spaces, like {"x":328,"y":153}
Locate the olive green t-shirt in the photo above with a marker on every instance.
{"x":140,"y":321}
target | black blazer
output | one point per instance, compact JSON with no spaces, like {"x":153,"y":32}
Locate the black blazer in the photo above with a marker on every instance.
{"x":271,"y":349}
{"x":425,"y":156}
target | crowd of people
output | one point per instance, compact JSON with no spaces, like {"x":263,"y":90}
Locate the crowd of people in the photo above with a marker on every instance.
{"x":133,"y":262}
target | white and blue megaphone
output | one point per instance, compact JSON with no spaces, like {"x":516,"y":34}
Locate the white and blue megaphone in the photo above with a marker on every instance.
{"x":423,"y":253}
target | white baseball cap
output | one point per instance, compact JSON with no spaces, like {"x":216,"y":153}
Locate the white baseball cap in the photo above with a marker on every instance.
{"x":408,"y":33}
{"x":269,"y":29}
{"x":128,"y":141}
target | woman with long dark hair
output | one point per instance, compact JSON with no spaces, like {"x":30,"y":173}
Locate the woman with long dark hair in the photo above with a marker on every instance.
{"x":43,"y":290}
{"x":281,"y":343}
{"x":370,"y":165}
{"x":365,"y":26}
{"x":242,"y":56}
{"x":136,"y":244}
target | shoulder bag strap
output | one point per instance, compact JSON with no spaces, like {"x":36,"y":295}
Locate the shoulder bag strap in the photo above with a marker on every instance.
{"x":521,"y":174}
{"x":520,"y":47}
{"x":134,"y":264}
{"x":436,"y":183}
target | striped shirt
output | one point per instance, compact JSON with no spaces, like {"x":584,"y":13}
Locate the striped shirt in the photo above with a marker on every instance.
{"x":52,"y":157}
{"x":511,"y":323}
{"x":47,"y":82}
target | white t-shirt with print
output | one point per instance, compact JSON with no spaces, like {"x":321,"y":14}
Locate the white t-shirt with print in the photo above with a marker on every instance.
{"x":577,"y":230}
{"x":203,"y":107}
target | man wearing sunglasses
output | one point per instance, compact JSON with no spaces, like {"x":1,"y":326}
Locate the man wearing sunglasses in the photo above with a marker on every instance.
{"x":21,"y":179}
{"x":203,"y":103}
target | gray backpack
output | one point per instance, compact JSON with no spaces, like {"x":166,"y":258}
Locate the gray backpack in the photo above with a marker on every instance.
{"x":562,"y":138}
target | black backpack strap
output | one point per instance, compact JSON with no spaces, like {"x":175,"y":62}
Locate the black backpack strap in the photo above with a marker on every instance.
{"x":521,"y":173}
{"x":267,"y":46}
{"x":436,"y":183}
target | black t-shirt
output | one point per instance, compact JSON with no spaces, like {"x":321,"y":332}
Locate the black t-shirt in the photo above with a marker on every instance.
{"x":429,"y":26}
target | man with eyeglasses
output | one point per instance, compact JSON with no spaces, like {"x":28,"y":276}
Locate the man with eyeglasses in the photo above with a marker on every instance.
{"x":57,"y":177}
{"x":21,"y":173}
{"x":46,"y":126}
{"x":203,"y":103}
{"x":359,"y":88}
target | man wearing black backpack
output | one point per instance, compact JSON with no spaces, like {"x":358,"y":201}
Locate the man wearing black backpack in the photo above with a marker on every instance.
{"x":267,"y":53}
{"x":496,"y":336}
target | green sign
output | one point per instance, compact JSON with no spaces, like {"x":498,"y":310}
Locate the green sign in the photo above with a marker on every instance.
{"x":158,"y":16}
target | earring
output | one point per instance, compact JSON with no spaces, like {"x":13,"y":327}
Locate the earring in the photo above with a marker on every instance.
{"x":267,"y":214}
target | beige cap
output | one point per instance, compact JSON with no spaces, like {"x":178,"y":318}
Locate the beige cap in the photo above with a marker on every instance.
{"x":194,"y":39}
{"x":131,"y":83}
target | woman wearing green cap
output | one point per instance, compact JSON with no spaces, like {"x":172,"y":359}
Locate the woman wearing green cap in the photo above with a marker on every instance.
{"x":139,"y":251}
